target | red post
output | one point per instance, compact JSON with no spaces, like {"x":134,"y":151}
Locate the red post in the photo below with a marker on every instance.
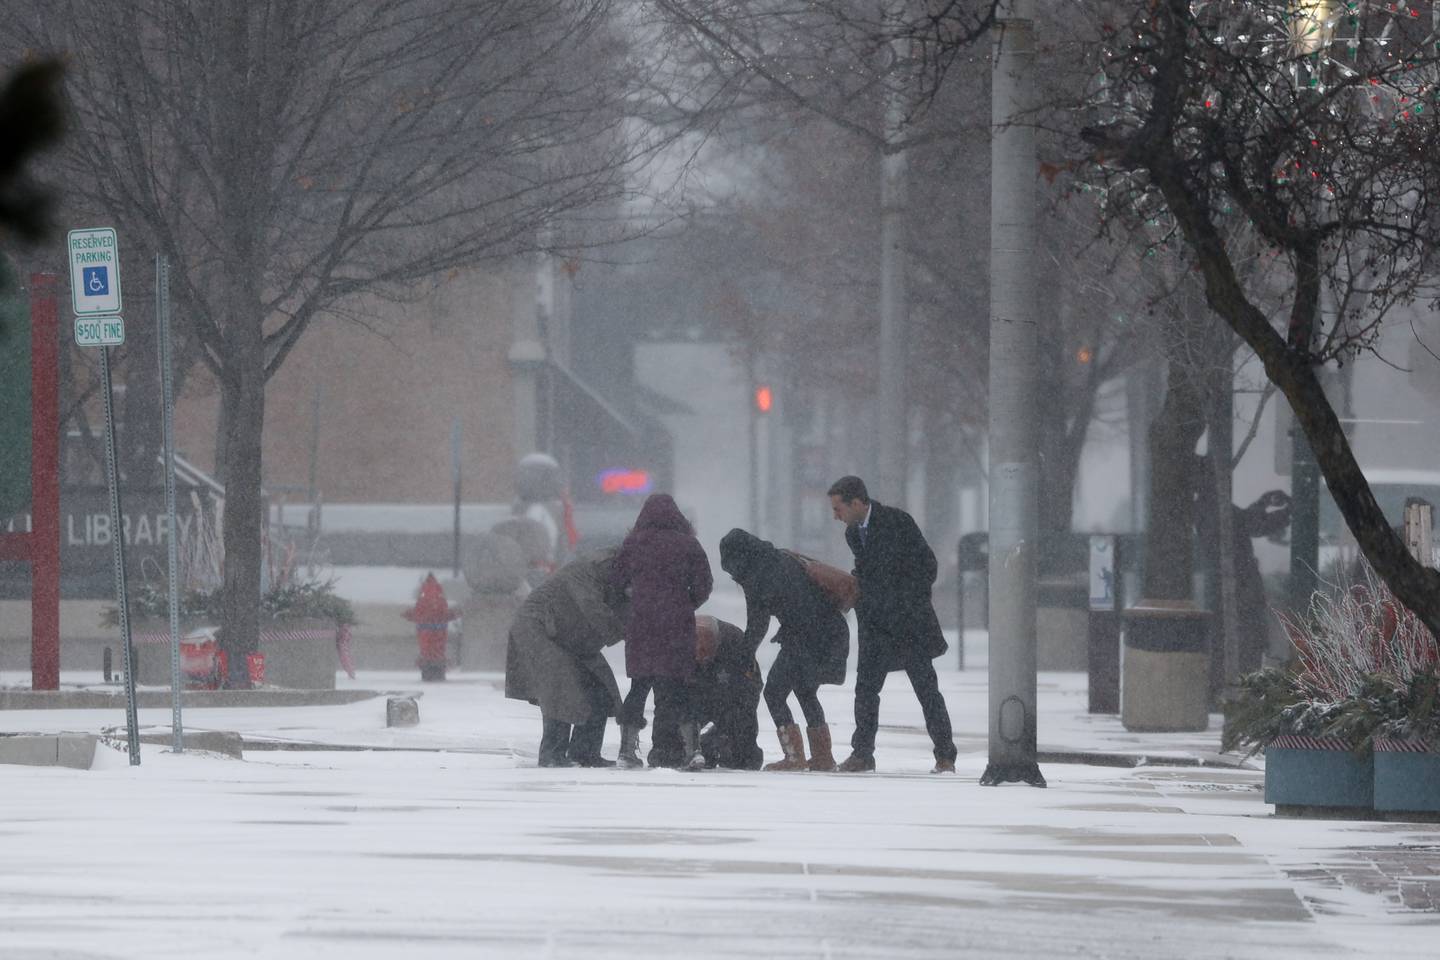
{"x":44,"y":534}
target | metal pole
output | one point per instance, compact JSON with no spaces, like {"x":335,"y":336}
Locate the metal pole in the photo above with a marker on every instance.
{"x":117,"y":540}
{"x":455,"y":477}
{"x":754,"y":439}
{"x":312,"y":482}
{"x":893,"y":404}
{"x":1014,"y":475}
{"x":172,"y":548}
{"x":44,"y":534}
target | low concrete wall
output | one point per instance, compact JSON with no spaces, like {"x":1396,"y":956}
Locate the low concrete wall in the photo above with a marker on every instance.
{"x":382,"y":640}
{"x":75,"y":750}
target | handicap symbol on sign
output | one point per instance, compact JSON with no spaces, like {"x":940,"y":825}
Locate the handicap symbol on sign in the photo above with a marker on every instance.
{"x":96,"y":281}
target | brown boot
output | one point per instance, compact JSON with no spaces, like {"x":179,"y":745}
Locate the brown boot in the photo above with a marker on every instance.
{"x":822,"y":757}
{"x":794,"y":746}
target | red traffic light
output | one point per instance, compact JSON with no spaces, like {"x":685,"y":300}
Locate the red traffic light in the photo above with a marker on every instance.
{"x":764,"y":400}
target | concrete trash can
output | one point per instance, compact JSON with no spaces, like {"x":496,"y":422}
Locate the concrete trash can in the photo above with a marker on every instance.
{"x":1062,"y":623}
{"x":1164,"y":666}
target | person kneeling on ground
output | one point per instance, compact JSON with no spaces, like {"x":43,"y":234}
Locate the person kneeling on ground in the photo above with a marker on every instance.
{"x":553,"y":659}
{"x":725,"y":695}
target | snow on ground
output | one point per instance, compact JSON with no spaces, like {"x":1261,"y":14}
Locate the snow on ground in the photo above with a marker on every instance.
{"x":452,"y":844}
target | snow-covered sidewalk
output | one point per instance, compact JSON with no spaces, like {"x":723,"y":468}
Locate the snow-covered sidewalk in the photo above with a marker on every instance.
{"x":455,"y":845}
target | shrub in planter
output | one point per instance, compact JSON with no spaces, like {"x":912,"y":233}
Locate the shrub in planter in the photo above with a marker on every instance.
{"x":306,"y":600}
{"x":1310,"y":762}
{"x":1407,"y":751}
{"x":150,"y":627}
{"x":1362,"y":663}
{"x":299,"y":623}
{"x":299,"y":620}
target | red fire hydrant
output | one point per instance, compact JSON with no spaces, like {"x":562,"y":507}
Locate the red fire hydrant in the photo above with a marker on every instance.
{"x":431,"y":616}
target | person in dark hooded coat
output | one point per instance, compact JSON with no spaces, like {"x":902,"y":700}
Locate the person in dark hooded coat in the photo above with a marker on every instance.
{"x":664,"y":571}
{"x":813,"y":636}
{"x":553,"y":658}
{"x":724,"y":695}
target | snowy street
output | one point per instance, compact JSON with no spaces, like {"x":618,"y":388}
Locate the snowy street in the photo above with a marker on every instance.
{"x":444,"y":840}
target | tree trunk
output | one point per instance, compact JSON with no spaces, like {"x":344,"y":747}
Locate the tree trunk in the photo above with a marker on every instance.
{"x":1169,"y":531}
{"x":243,"y":399}
{"x":140,"y":427}
{"x":1063,"y":436}
{"x":941,"y":437}
{"x":1293,"y":371}
{"x":1226,"y":592}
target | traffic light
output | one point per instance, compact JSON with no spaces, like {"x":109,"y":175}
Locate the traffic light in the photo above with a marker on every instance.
{"x":764,"y":399}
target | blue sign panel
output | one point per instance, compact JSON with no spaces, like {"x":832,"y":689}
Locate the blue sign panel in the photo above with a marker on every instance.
{"x":96,"y":281}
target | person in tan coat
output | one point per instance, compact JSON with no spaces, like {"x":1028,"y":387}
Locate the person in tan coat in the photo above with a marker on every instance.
{"x":554,"y":660}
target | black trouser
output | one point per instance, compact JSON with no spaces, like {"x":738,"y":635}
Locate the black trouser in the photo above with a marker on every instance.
{"x":632,"y":712}
{"x":672,"y":702}
{"x":670,"y":694}
{"x":787,"y":675}
{"x":870,"y":678}
{"x":673,"y":707}
{"x":583,"y":742}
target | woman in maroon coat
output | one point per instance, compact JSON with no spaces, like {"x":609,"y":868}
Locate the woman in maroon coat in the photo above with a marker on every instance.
{"x":667,"y":575}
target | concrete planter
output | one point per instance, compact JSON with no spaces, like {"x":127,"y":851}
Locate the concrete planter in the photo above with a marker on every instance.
{"x":1318,"y":776}
{"x":299,"y":653}
{"x":1407,"y":779}
{"x":151,"y":637}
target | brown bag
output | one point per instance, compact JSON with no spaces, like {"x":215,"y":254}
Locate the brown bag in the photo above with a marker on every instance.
{"x":842,"y":588}
{"x":707,"y":638}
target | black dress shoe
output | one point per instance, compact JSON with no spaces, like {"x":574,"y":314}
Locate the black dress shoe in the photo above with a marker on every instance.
{"x":595,"y":761}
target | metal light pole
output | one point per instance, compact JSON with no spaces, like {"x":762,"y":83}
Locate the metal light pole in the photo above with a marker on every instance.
{"x":1014,"y":461}
{"x":894,"y":407}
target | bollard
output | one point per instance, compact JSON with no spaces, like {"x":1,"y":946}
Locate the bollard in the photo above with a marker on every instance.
{"x":1103,"y":647}
{"x":402,"y":712}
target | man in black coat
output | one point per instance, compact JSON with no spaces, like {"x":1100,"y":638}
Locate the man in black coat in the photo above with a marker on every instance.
{"x":895,"y":568}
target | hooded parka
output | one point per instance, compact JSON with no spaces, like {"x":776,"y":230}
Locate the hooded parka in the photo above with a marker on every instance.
{"x":813,"y":634}
{"x":664,"y":571}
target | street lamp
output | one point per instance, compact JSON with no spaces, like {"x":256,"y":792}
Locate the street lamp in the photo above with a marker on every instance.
{"x":1310,"y":26}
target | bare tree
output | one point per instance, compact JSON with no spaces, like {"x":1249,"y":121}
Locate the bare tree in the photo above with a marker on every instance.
{"x":1322,"y":141}
{"x":288,"y":156}
{"x":871,"y":68}
{"x":835,"y":59}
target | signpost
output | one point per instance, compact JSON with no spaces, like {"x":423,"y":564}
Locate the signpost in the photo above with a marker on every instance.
{"x":95,"y":297}
{"x":99,"y":331}
{"x":94,"y":272}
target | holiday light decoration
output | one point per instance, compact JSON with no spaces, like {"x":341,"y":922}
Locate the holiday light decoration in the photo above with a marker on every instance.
{"x":1337,"y":55}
